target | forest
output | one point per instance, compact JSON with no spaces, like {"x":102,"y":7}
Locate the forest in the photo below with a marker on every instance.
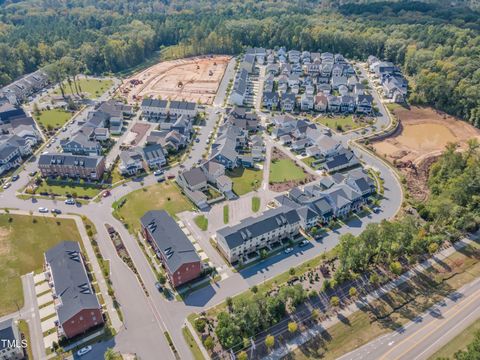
{"x":451,"y":211}
{"x":437,"y":46}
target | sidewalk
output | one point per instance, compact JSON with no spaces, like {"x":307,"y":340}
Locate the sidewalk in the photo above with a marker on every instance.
{"x":364,"y":301}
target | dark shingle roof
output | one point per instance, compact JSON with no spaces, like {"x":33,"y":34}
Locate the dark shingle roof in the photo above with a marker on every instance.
{"x":255,"y":226}
{"x":90,"y":162}
{"x":8,"y":333}
{"x":170,"y":239}
{"x":70,"y":279}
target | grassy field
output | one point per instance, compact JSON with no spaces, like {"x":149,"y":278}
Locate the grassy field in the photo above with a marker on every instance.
{"x":282,"y":170}
{"x":23,"y":327}
{"x":192,"y":344}
{"x":22,"y":244}
{"x":339,"y":123}
{"x":309,"y":161}
{"x":62,"y":190}
{"x":53,"y":118}
{"x":94,"y":88}
{"x":202,"y":222}
{"x":164,"y":196}
{"x":245,"y":180}
{"x":396,"y":308}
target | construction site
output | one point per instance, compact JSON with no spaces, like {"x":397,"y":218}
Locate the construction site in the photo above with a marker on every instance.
{"x":192,"y":79}
{"x":422,"y":135}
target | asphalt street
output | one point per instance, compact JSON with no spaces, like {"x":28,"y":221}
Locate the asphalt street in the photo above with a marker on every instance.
{"x":427,"y":333}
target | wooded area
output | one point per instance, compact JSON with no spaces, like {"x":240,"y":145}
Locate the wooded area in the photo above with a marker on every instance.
{"x":437,"y":46}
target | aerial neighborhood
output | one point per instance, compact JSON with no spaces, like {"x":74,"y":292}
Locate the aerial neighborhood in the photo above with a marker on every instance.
{"x":231,"y":180}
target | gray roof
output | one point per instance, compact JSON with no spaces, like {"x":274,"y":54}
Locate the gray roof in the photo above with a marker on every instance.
{"x":152,"y":152}
{"x":182,"y":105}
{"x":70,"y":160}
{"x":256,"y":226}
{"x":8,"y":332}
{"x":70,"y":279}
{"x":194,"y":176}
{"x":170,"y":239}
{"x":155,"y":103}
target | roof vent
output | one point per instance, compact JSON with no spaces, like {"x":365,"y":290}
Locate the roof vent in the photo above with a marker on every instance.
{"x":85,"y":289}
{"x":168,"y":252}
{"x":73,"y":255}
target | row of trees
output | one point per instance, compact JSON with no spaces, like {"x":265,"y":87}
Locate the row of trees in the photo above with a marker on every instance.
{"x":248,"y":317}
{"x":452,"y":209}
{"x":437,"y":48}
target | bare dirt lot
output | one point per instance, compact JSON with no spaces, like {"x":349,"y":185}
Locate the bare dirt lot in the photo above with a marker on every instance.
{"x":421,"y":137}
{"x":192,"y":79}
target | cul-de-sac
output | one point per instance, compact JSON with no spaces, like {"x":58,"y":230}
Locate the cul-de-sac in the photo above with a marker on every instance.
{"x":239,"y":180}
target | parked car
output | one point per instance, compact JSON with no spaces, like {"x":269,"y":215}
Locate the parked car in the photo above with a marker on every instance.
{"x":6,"y":186}
{"x":56,"y":211}
{"x":84,"y":350}
{"x":106,"y":193}
{"x":158,"y":286}
{"x":303,"y":243}
{"x":70,"y":202}
{"x":33,"y":173}
{"x":170,"y":176}
{"x":197,"y":140}
{"x":43,"y":209}
{"x":161,"y":179}
{"x":15,"y":177}
{"x":288,"y":250}
{"x":158,"y":172}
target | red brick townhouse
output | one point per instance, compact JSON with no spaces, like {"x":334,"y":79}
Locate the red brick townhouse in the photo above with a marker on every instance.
{"x":76,"y":304}
{"x":172,"y":246}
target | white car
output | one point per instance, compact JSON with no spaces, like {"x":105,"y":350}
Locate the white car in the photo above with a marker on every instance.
{"x":6,"y":186}
{"x":43,"y":209}
{"x":70,"y":202}
{"x":84,"y":350}
{"x":288,"y":250}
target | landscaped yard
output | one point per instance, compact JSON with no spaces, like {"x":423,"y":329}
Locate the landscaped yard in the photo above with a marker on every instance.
{"x":93,"y":88}
{"x":283,"y":170}
{"x":309,"y":161}
{"x":68,"y":189}
{"x":339,"y":123}
{"x":164,"y":196}
{"x":53,"y":118}
{"x":22,"y":244}
{"x":245,"y":180}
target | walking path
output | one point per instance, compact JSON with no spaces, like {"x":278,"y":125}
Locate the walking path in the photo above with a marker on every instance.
{"x":364,"y":301}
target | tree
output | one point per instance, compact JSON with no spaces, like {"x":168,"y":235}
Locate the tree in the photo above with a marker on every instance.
{"x":291,"y":271}
{"x":335,"y":301}
{"x":352,"y":292}
{"x":200,"y":324}
{"x":209,"y":344}
{"x":269,"y":342}
{"x":161,"y":278}
{"x":110,"y":354}
{"x":292,"y":327}
{"x":315,"y":314}
{"x":254,"y":289}
{"x":229,"y":302}
{"x":242,"y":356}
{"x":396,"y":267}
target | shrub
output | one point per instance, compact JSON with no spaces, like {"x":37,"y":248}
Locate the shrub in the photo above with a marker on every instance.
{"x":200,"y":325}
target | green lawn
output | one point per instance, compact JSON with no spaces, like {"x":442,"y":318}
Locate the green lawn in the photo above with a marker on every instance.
{"x":22,"y":244}
{"x":245,"y":180}
{"x":202,"y":222}
{"x":309,"y":161}
{"x":282,"y":170}
{"x":255,"y":203}
{"x":53,"y":118}
{"x":460,"y":342}
{"x":62,"y":190}
{"x":164,"y":196}
{"x":192,"y":344}
{"x":339,"y":123}
{"x":94,"y":88}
